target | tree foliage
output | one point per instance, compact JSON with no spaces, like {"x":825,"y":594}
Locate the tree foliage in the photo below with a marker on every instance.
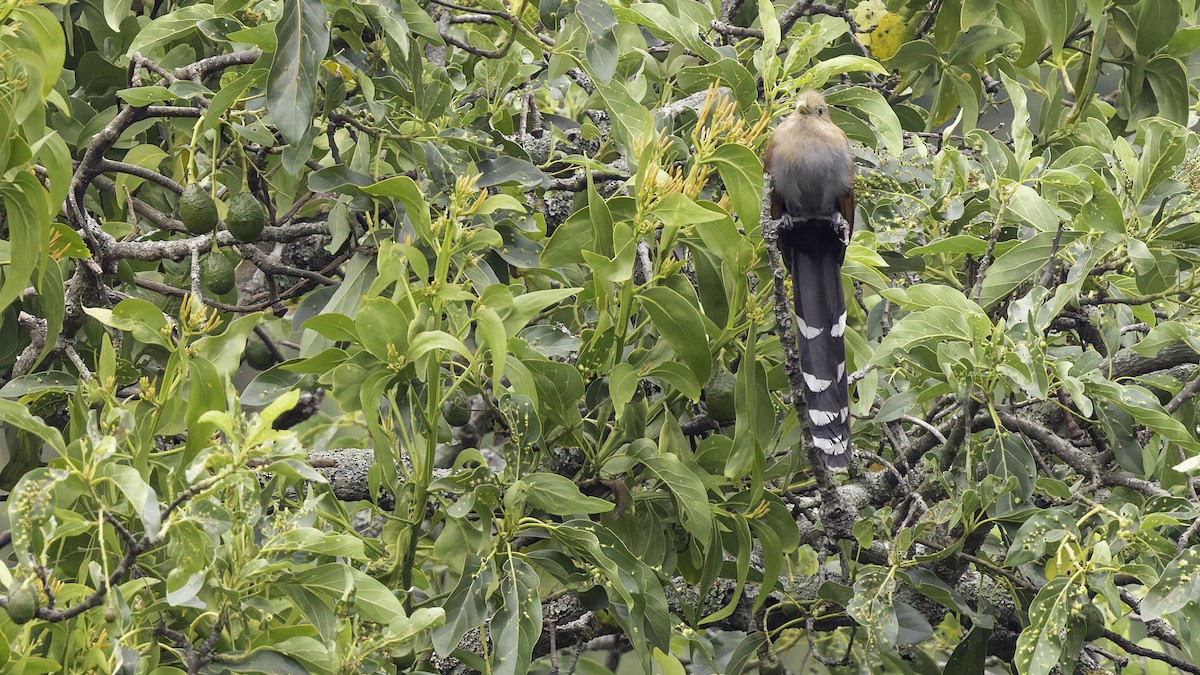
{"x":502,"y":379}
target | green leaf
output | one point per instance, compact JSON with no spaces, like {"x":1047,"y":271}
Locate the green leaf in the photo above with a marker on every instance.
{"x":971,"y":654}
{"x":419,"y":22}
{"x":224,"y":350}
{"x":679,"y":323}
{"x":19,"y":417}
{"x":631,"y":121}
{"x":228,"y":96}
{"x":1156,"y":21}
{"x":1021,"y":134}
{"x":726,"y":72}
{"x":826,"y":69}
{"x":168,"y":28}
{"x":527,"y":305}
{"x":317,"y":542}
{"x":54,"y":309}
{"x":469,"y":602}
{"x":742,"y":172}
{"x":141,"y":496}
{"x":1019,"y":264}
{"x":714,"y":225}
{"x":755,"y":414}
{"x":631,"y":583}
{"x":1055,"y":632}
{"x":506,"y":170}
{"x":274,"y":409}
{"x":957,"y":244}
{"x":601,"y":47}
{"x":560,"y":496}
{"x":873,"y":606}
{"x":141,"y":318}
{"x":303,"y":39}
{"x":691,"y":498}
{"x":144,"y":96}
{"x":937,"y":323}
{"x":679,"y":22}
{"x":1056,"y":16}
{"x":1009,"y":457}
{"x":1166,"y":334}
{"x":1168,"y":79}
{"x":205,"y":392}
{"x":679,"y":376}
{"x":39,"y":382}
{"x":979,"y":40}
{"x":517,"y":624}
{"x":926,"y":296}
{"x":39,"y":30}
{"x":378,"y":325}
{"x":333,"y":326}
{"x":309,"y":652}
{"x":28,"y":221}
{"x":746,"y":650}
{"x":1043,"y":530}
{"x":1178,"y":585}
{"x":881,"y":115}
{"x":146,"y":156}
{"x":1164,"y":145}
{"x":491,"y":335}
{"x":1146,"y":409}
{"x":430,"y":340}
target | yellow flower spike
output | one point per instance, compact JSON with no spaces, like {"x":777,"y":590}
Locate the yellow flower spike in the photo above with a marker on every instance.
{"x":479,"y":200}
{"x":149,"y":392}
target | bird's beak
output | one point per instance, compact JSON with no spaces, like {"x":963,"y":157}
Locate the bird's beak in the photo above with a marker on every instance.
{"x":802,"y":107}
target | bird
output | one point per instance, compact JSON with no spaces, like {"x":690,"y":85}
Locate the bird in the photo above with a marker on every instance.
{"x":809,"y":158}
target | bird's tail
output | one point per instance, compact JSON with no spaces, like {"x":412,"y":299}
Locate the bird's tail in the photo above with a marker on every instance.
{"x":814,"y":251}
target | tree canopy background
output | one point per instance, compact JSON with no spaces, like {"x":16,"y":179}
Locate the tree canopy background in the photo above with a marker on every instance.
{"x":500,"y":385}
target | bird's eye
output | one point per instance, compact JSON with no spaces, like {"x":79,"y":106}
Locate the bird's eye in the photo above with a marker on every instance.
{"x":820,"y":110}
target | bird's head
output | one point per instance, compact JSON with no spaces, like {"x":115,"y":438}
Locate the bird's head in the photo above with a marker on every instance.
{"x":810,"y":103}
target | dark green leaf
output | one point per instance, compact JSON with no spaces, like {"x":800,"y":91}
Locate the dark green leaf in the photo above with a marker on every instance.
{"x":302,"y":40}
{"x":680,"y":325}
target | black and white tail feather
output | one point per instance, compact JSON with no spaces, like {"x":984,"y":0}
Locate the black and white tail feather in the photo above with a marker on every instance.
{"x":813,"y":249}
{"x":810,"y":162}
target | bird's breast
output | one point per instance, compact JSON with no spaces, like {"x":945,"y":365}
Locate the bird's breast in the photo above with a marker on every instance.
{"x":810,"y":176}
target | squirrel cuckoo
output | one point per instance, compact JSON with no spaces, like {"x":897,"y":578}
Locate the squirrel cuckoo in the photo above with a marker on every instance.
{"x":809,"y":158}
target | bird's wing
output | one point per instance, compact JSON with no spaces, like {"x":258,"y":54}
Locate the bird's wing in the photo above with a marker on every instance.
{"x":846,"y":202}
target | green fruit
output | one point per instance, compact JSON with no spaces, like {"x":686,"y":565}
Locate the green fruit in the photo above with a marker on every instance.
{"x":1093,"y":620}
{"x":217,"y":272}
{"x":718,"y":397}
{"x":258,"y":355}
{"x":22,"y":602}
{"x":246,"y":217}
{"x":457,"y":410}
{"x":197,"y":210}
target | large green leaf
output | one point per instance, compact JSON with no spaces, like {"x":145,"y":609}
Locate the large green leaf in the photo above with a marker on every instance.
{"x":1019,"y":264}
{"x":679,"y":323}
{"x":303,"y":39}
{"x":742,"y":172}
{"x":27,"y":218}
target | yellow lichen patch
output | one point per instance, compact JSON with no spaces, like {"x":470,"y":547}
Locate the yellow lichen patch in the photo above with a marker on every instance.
{"x":888,"y":35}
